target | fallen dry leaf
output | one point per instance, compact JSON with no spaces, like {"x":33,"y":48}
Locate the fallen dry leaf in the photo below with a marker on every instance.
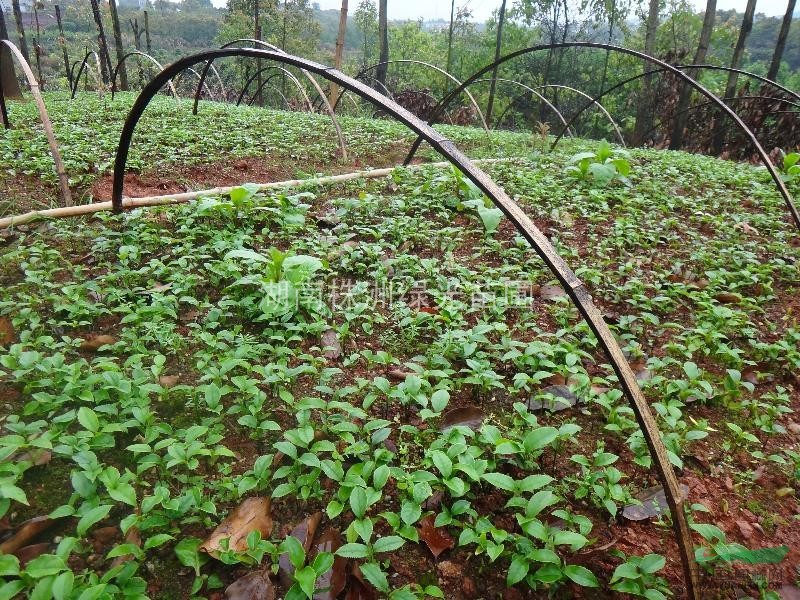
{"x":168,"y":381}
{"x":95,"y":342}
{"x":552,"y":292}
{"x":330,"y":343}
{"x":25,"y":533}
{"x":653,"y":503}
{"x":332,"y":582}
{"x":7,"y":334}
{"x":728,"y":298}
{"x":304,"y":532}
{"x":357,"y":588}
{"x":132,"y":537}
{"x":37,"y":456}
{"x":436,"y":538}
{"x":28,"y":553}
{"x":253,"y":586}
{"x":251,"y":515}
{"x":469,"y":416}
{"x":563,"y":398}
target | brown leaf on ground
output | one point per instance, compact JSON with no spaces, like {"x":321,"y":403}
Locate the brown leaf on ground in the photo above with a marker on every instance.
{"x":26,"y":532}
{"x":37,"y":456}
{"x":251,"y":515}
{"x":168,"y":381}
{"x":728,"y":298}
{"x":332,"y":349}
{"x":132,"y":537}
{"x":253,"y":586}
{"x":552,"y":292}
{"x":653,"y":503}
{"x":28,"y":553}
{"x":358,"y":588}
{"x":332,"y":582}
{"x":469,"y":416}
{"x":436,"y":538}
{"x":303,"y":531}
{"x":7,"y":334}
{"x":94,"y":342}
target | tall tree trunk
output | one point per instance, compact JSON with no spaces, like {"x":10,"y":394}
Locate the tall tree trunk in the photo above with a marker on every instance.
{"x":450,"y":37}
{"x":23,"y":44}
{"x":63,"y":41}
{"x":37,"y":49}
{"x":736,"y":61}
{"x":257,"y":35}
{"x":137,"y":43}
{"x":383,"y":42}
{"x":147,"y":32}
{"x":7,"y":77}
{"x":123,"y":72}
{"x":644,"y":112}
{"x":105,"y":59}
{"x":780,"y":45}
{"x":612,"y":17}
{"x":501,"y":17}
{"x":681,"y":116}
{"x":337,"y":55}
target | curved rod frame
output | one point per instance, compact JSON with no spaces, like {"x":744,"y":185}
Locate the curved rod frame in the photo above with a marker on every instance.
{"x":84,"y":67}
{"x":148,"y":57}
{"x":730,"y":113}
{"x":435,"y":68}
{"x":274,"y":87}
{"x":527,"y":89}
{"x":731,"y":99}
{"x":386,"y":91}
{"x":638,"y":76}
{"x":309,"y":76}
{"x":63,"y":180}
{"x":202,"y":83}
{"x":223,"y":92}
{"x":574,"y":288}
{"x":585,"y":95}
{"x":286,"y":72}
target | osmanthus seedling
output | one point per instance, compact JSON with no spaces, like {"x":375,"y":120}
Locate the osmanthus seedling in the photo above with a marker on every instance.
{"x":602,"y":166}
{"x":279,"y":278}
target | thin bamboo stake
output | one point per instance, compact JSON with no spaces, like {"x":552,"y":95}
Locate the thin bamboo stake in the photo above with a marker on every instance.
{"x":182,"y":198}
{"x":46,"y":125}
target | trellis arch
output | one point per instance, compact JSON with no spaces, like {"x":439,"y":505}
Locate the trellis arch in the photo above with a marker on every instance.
{"x":314,"y":82}
{"x":574,"y":288}
{"x":452,"y":78}
{"x":529,"y":89}
{"x":63,"y":180}
{"x":290,"y":75}
{"x":663,"y":69}
{"x":730,"y":113}
{"x":148,"y":57}
{"x":84,"y":67}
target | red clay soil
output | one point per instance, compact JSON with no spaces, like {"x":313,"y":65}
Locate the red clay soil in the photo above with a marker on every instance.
{"x":174,"y":179}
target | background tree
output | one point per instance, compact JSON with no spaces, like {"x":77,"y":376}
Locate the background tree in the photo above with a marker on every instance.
{"x":120,"y":49}
{"x":105,"y":59}
{"x":780,"y":45}
{"x":23,"y":44}
{"x":366,"y":19}
{"x":681,"y":116}
{"x":339,"y":51}
{"x":736,"y":62}
{"x":644,"y":108}
{"x":501,"y":17}
{"x":383,"y":42}
{"x":9,"y":79}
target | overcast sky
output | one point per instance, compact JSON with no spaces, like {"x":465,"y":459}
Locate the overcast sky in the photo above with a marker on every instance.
{"x":482,"y":9}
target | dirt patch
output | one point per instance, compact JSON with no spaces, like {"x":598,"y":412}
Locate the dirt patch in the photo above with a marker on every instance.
{"x":174,"y":179}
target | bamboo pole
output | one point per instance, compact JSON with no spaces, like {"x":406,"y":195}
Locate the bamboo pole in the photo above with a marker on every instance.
{"x":182,"y":198}
{"x":63,"y":180}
